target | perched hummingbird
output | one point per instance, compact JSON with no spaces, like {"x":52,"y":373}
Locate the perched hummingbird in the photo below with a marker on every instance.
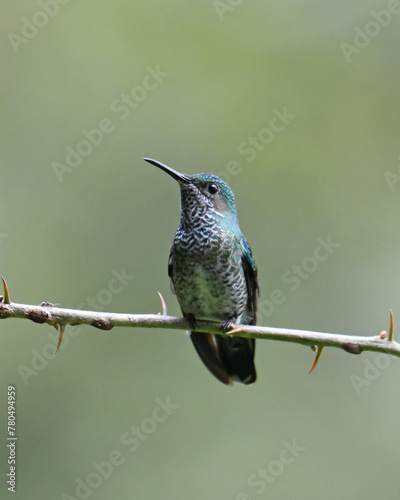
{"x":213,"y":273}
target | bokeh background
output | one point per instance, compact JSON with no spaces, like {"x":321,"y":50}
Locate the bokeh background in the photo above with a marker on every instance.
{"x":203,"y":79}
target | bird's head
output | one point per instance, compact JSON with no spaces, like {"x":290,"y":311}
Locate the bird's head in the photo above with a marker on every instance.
{"x":202,"y":192}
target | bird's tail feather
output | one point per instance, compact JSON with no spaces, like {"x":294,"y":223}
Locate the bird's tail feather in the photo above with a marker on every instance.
{"x":227,"y":358}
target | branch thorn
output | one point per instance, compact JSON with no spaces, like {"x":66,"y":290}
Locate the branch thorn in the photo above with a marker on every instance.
{"x":62,"y":330}
{"x":391,"y":326}
{"x":163,"y":305}
{"x":6,"y":292}
{"x":318,"y":349}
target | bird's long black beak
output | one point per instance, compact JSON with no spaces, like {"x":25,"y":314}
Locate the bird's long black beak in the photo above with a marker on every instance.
{"x":170,"y":171}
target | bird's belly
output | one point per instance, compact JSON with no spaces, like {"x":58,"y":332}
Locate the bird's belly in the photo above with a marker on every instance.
{"x":211,"y":294}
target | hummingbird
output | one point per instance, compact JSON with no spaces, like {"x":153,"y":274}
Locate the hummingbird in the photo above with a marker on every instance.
{"x":213,"y":274}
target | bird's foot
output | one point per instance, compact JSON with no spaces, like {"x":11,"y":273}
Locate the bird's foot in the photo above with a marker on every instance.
{"x":226,"y":325}
{"x":192,"y":320}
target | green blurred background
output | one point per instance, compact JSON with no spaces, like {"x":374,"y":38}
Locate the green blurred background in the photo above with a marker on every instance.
{"x":223,"y":70}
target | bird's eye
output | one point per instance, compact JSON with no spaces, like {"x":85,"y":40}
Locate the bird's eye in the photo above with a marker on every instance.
{"x":213,"y":188}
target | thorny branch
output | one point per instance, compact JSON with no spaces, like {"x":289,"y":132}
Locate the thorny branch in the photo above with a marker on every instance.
{"x":60,"y":317}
